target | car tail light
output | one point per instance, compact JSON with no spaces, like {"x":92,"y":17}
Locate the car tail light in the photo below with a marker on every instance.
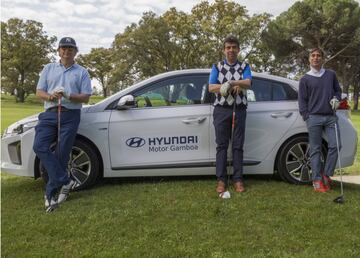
{"x":344,"y":104}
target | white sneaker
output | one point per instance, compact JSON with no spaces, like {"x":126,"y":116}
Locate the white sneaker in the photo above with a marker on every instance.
{"x":65,"y":191}
{"x":51,"y":204}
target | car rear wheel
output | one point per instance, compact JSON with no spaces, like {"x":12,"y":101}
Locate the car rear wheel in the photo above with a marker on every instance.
{"x":83,"y":165}
{"x":294,"y":161}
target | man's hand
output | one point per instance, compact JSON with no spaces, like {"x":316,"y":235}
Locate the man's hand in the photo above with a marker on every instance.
{"x":225,"y":88}
{"x":236,"y":90}
{"x":334,"y":103}
{"x":59,"y":92}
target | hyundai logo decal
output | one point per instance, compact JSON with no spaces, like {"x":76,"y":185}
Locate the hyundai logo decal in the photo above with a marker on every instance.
{"x":135,"y":142}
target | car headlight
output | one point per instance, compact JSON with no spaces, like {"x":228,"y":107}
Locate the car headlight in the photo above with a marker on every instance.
{"x":19,"y":128}
{"x":29,"y":125}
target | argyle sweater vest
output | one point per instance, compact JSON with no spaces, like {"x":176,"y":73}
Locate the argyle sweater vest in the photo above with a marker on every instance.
{"x":228,"y":73}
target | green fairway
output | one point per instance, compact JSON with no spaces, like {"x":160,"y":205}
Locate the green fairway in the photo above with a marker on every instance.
{"x":176,"y":217}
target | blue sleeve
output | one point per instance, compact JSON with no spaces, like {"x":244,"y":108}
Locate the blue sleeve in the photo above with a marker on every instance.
{"x":86,"y":83}
{"x":213,"y":79}
{"x":247,"y":72}
{"x":42,"y":84}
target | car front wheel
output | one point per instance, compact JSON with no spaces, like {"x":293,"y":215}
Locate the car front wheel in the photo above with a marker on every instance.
{"x":294,"y":161}
{"x":83,"y":165}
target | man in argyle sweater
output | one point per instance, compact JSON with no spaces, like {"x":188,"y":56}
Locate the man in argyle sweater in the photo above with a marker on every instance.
{"x":229,"y":80}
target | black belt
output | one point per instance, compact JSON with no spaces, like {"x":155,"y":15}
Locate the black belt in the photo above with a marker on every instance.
{"x":55,"y":109}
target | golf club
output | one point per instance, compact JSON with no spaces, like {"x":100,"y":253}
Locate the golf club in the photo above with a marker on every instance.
{"x":232,"y":138}
{"x":58,"y":128}
{"x":340,"y":199}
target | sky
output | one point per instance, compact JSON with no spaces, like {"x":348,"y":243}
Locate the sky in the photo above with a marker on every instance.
{"x":94,"y":23}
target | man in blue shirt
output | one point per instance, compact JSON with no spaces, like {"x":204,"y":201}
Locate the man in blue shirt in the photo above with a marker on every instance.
{"x":319,"y":95}
{"x":229,"y":80}
{"x":67,"y":83}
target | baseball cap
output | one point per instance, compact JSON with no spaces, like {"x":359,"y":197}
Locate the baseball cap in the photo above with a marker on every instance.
{"x":67,"y":42}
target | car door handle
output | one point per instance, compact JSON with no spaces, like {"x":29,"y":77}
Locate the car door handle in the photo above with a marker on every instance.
{"x":198,"y":120}
{"x":281,"y":114}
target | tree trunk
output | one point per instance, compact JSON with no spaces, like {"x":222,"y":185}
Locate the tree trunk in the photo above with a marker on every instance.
{"x":346,"y":88}
{"x":356,"y":97}
{"x":105,"y":91}
{"x":20,"y":95}
{"x":20,"y":92}
{"x":104,"y":86}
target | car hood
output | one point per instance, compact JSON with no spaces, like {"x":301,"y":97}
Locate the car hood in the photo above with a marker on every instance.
{"x":34,"y":118}
{"x":25,"y":120}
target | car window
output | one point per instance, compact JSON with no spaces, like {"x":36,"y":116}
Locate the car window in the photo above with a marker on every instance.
{"x":278,"y":92}
{"x":182,"y":90}
{"x":267,"y":90}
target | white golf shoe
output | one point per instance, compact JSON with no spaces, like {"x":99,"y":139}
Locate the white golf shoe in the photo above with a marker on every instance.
{"x":50,"y":204}
{"x":65,"y":191}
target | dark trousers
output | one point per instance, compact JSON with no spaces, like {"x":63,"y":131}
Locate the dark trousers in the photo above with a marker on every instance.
{"x":46,"y":132}
{"x":222,"y":122}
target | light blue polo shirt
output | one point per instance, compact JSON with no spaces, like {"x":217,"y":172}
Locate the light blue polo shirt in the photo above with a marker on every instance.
{"x":74,"y":79}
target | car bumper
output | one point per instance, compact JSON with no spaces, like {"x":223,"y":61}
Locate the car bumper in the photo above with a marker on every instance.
{"x":348,"y":136}
{"x":17,"y":155}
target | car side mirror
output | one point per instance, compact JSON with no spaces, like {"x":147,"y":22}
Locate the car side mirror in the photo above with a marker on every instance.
{"x":126,"y":102}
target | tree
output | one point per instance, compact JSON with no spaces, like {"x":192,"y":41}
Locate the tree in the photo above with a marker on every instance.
{"x":144,"y":50}
{"x":213,"y":22}
{"x":177,"y":40}
{"x":349,"y":70}
{"x":201,"y":33}
{"x":25,"y":48}
{"x":331,"y":25}
{"x":99,"y":64}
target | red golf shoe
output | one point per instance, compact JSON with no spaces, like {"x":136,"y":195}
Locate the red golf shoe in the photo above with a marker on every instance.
{"x":319,"y":186}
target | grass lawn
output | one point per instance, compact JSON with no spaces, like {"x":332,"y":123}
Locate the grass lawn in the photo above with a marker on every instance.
{"x":177,"y":217}
{"x":180,"y":217}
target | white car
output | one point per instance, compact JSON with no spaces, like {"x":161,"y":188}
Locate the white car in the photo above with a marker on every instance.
{"x":163,"y":126}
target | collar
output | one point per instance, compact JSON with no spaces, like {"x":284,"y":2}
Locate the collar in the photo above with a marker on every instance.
{"x":226,"y":62}
{"x":316,"y":73}
{"x":60,"y":64}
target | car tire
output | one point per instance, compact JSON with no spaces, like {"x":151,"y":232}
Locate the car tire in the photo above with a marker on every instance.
{"x":293,"y":164}
{"x":83,"y":165}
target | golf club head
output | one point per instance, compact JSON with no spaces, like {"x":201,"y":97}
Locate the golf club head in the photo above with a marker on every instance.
{"x":225,"y":195}
{"x":339,"y":199}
